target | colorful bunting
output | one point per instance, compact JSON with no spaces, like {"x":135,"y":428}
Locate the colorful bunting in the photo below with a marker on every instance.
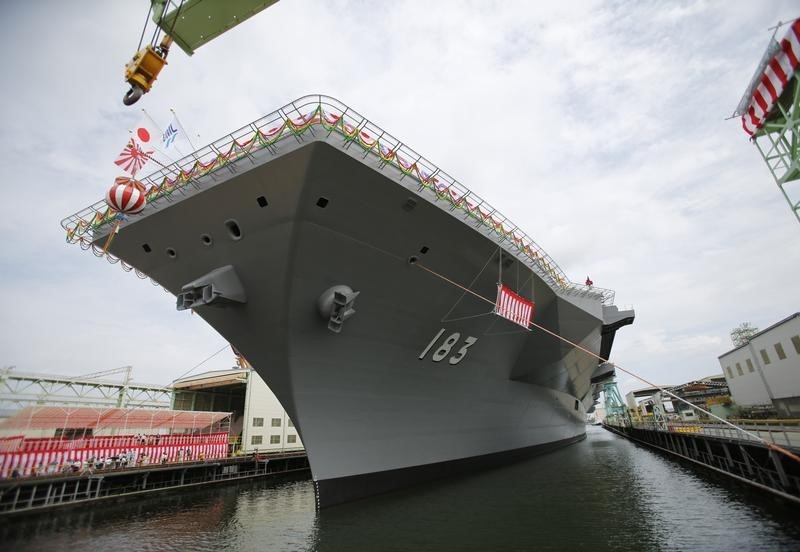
{"x":352,"y":131}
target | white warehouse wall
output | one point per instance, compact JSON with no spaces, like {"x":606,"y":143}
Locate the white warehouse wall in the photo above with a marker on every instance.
{"x":276,"y":431}
{"x":766,"y":375}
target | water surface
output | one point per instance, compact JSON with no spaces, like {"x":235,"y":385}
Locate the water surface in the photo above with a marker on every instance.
{"x":603,"y":493}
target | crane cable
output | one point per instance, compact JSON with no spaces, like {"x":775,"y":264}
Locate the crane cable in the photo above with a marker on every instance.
{"x":199,"y":364}
{"x":157,"y":31}
{"x":141,"y":38}
{"x":769,"y":445}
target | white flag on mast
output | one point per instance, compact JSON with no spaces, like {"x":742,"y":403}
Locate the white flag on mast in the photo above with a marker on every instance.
{"x":170,"y":134}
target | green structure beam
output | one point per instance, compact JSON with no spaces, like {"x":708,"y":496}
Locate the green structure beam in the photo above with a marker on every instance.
{"x":779,"y":144}
{"x":192,"y":23}
{"x":616,"y":410}
{"x":18,"y":390}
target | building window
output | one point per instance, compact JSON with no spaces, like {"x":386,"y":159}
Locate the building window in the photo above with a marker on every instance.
{"x":765,"y":356}
{"x":730,"y":372}
{"x":258,"y":422}
{"x":276,"y":422}
{"x":739,"y":369}
{"x":256,"y":439}
{"x":796,"y":343}
{"x":291,"y":438}
{"x":274,"y":439}
{"x":779,"y":350}
{"x":291,"y":423}
{"x":750,"y":365}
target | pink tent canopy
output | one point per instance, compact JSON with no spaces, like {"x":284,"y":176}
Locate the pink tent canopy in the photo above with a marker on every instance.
{"x":54,"y":417}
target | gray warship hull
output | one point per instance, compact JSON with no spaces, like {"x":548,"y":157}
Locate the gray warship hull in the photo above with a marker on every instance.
{"x":384,"y":401}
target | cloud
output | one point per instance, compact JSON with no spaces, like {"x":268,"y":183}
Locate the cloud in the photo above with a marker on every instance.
{"x":598,"y":128}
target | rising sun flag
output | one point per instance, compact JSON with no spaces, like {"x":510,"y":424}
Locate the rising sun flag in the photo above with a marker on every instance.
{"x":133,"y":157}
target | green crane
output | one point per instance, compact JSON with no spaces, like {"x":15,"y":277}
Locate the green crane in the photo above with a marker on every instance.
{"x":616,"y":410}
{"x":770,"y":112}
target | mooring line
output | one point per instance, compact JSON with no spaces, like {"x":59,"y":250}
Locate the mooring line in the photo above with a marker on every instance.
{"x":769,"y":445}
{"x":475,"y":279}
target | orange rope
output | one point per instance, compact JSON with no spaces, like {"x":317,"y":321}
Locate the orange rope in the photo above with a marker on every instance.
{"x":590,"y":353}
{"x":111,"y":237}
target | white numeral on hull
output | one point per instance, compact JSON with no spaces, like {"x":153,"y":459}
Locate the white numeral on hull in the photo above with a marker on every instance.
{"x":462,"y":352}
{"x":447,"y":345}
{"x":428,"y":348}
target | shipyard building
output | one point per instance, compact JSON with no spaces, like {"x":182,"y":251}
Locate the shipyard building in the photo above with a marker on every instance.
{"x":763,"y":374}
{"x":47,"y":421}
{"x":258,"y":421}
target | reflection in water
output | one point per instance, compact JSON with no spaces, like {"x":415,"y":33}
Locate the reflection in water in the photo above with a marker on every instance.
{"x":601,"y":494}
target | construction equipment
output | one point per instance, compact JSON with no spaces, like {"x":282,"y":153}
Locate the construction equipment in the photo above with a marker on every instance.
{"x":616,"y":410}
{"x":141,"y":71}
{"x":190,"y":24}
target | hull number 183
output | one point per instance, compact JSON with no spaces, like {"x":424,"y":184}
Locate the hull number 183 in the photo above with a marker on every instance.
{"x":445,"y":348}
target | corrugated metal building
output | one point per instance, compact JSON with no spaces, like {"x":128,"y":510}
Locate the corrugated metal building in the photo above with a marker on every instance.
{"x":259,"y":422}
{"x":766,"y":371}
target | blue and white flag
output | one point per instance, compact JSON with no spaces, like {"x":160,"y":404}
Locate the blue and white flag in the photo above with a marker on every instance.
{"x":169,"y":135}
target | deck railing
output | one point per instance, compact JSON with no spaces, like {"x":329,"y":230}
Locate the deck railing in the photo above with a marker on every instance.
{"x":308,"y":116}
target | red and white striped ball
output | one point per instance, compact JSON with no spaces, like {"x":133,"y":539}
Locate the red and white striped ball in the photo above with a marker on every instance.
{"x":126,"y":196}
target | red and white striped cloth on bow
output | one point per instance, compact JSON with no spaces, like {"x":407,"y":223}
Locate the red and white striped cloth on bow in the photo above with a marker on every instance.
{"x":777,"y":74}
{"x":513,"y":307}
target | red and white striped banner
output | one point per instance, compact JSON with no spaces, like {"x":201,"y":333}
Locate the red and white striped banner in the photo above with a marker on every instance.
{"x":61,"y":453}
{"x":513,"y":307}
{"x":778,"y":72}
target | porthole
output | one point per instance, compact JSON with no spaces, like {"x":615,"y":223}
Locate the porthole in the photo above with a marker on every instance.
{"x":146,"y":248}
{"x":424,"y":249}
{"x":262,"y":201}
{"x":171,"y":253}
{"x":322,"y":202}
{"x":205,"y":239}
{"x":234,"y":230}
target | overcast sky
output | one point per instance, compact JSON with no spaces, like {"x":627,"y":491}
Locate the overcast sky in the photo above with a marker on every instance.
{"x":597,"y":127}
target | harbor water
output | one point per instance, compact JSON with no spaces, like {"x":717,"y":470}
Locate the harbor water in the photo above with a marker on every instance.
{"x":604,"y":493}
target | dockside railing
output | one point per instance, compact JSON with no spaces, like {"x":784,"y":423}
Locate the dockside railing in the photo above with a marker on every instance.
{"x":727,"y":451}
{"x":777,"y":432}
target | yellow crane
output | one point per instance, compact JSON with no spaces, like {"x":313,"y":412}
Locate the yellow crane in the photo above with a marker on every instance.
{"x":187,"y":23}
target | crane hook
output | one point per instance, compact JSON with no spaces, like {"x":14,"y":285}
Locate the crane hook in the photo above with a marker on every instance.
{"x":132,"y":95}
{"x":142,"y":71}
